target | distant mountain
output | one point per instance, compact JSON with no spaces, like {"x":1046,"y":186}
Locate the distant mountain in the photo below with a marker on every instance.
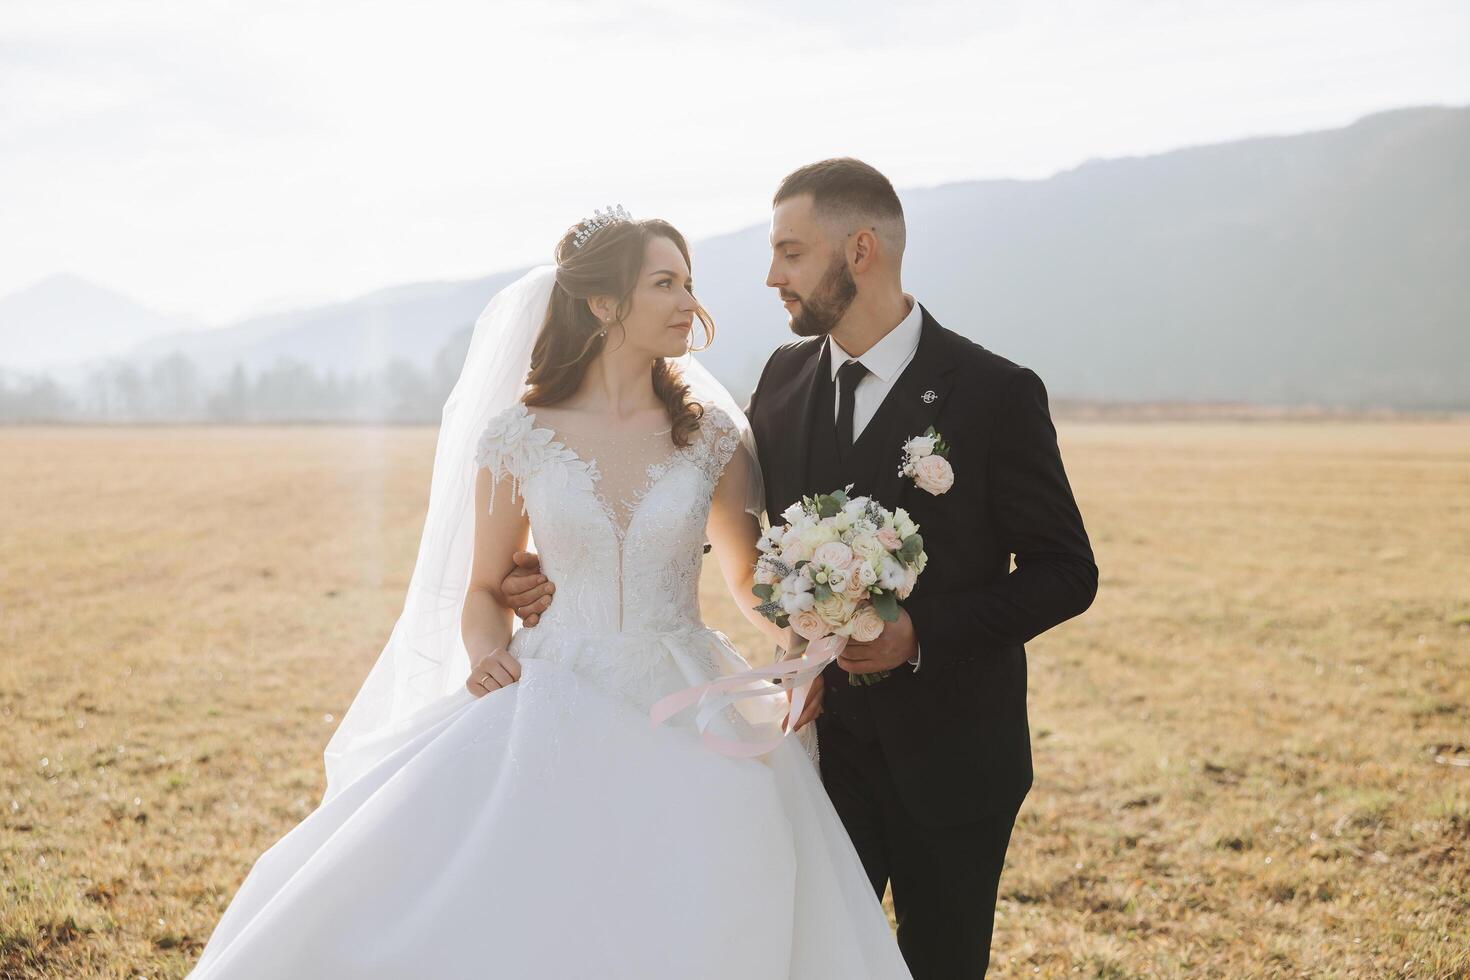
{"x":1325,"y":268}
{"x":359,"y":336}
{"x":64,"y":317}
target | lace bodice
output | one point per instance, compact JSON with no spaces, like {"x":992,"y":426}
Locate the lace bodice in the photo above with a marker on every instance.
{"x":619,"y":525}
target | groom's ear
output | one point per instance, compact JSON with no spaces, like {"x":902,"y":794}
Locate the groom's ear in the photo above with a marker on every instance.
{"x":862,"y":250}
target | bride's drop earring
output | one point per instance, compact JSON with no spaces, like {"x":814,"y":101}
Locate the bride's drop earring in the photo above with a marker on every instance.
{"x":603,"y":331}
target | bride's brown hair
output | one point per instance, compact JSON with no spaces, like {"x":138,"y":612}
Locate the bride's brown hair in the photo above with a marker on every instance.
{"x":606,"y":264}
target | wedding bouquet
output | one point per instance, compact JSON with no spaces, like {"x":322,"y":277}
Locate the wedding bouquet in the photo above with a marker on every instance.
{"x":838,"y":567}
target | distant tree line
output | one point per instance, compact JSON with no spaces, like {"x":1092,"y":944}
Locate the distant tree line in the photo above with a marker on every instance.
{"x":173,"y":389}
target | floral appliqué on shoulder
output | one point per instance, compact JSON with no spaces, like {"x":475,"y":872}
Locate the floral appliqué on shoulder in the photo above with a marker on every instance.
{"x":512,"y":443}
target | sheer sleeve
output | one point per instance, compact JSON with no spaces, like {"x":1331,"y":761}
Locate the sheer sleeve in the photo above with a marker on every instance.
{"x":737,"y":468}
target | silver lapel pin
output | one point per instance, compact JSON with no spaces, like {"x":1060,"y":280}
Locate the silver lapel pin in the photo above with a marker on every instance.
{"x":929,"y":396}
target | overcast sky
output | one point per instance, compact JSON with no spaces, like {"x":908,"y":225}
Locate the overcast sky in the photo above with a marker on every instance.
{"x":216,"y":159}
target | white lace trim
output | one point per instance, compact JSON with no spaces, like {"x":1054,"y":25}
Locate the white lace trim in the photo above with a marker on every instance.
{"x":511,"y":444}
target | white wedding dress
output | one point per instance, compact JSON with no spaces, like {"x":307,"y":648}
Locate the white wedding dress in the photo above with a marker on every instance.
{"x":548,"y":829}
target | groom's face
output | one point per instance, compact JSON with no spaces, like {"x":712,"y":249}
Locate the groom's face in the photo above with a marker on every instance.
{"x":808,"y":269}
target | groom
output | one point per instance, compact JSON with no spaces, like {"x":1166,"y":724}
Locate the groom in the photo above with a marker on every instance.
{"x":928,"y":767}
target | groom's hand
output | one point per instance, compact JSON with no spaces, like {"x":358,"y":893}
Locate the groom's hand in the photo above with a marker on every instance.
{"x":525,"y":589}
{"x":894,"y":647}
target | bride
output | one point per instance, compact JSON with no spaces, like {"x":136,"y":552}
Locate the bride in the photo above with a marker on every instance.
{"x":523,"y":818}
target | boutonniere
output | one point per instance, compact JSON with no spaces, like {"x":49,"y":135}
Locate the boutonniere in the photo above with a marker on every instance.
{"x":924,"y":462}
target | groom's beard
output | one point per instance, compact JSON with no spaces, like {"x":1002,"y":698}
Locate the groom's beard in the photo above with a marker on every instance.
{"x":824,"y":309}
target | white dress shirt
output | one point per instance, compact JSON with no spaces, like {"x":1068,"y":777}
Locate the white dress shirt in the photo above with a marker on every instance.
{"x":885,"y":361}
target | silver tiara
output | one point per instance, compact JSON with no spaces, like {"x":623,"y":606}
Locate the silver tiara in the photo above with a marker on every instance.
{"x":600,"y":219}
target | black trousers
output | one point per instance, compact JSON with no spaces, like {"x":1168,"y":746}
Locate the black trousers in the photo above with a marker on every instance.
{"x":944,"y":881}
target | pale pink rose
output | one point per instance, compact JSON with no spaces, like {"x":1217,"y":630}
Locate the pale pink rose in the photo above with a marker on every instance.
{"x":808,"y":625}
{"x":889,"y":539}
{"x":833,"y":554}
{"x":856,"y":587}
{"x":910,"y":579}
{"x":765,"y":575}
{"x":867,"y":625}
{"x":933,"y":474}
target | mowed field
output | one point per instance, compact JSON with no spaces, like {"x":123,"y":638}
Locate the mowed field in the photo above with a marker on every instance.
{"x":1252,"y":753}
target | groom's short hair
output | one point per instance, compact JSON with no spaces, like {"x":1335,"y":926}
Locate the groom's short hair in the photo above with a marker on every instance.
{"x":847,"y":190}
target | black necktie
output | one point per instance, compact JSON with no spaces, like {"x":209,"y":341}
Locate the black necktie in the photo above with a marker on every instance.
{"x":848,"y":377}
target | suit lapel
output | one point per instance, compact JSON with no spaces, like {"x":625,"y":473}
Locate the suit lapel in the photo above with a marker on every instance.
{"x":810,"y":384}
{"x":792,"y":430}
{"x":911,"y":406}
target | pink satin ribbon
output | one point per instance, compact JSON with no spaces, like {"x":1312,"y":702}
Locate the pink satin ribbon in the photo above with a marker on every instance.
{"x":795,"y":675}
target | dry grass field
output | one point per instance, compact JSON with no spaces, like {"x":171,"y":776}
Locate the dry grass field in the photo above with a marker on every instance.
{"x":1252,"y":753}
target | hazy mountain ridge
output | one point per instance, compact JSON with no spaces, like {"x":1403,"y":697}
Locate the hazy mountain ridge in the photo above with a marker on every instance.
{"x":1322,"y":268}
{"x":51,"y":321}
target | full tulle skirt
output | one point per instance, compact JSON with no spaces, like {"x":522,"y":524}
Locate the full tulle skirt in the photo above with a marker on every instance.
{"x":548,"y":830}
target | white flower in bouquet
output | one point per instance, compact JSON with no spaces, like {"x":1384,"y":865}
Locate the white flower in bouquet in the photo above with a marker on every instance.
{"x":890,"y":576}
{"x":867,"y":546}
{"x":817,"y":535}
{"x":836,"y":609}
{"x":796,"y":592}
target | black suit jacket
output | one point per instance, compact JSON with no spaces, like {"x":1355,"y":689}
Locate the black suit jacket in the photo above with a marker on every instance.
{"x":953,"y":733}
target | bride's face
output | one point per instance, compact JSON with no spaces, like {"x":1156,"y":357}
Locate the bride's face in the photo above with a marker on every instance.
{"x":661,"y":313}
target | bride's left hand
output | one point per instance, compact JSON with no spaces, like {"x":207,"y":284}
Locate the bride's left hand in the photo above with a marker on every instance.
{"x":811,"y":709}
{"x":491,"y":672}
